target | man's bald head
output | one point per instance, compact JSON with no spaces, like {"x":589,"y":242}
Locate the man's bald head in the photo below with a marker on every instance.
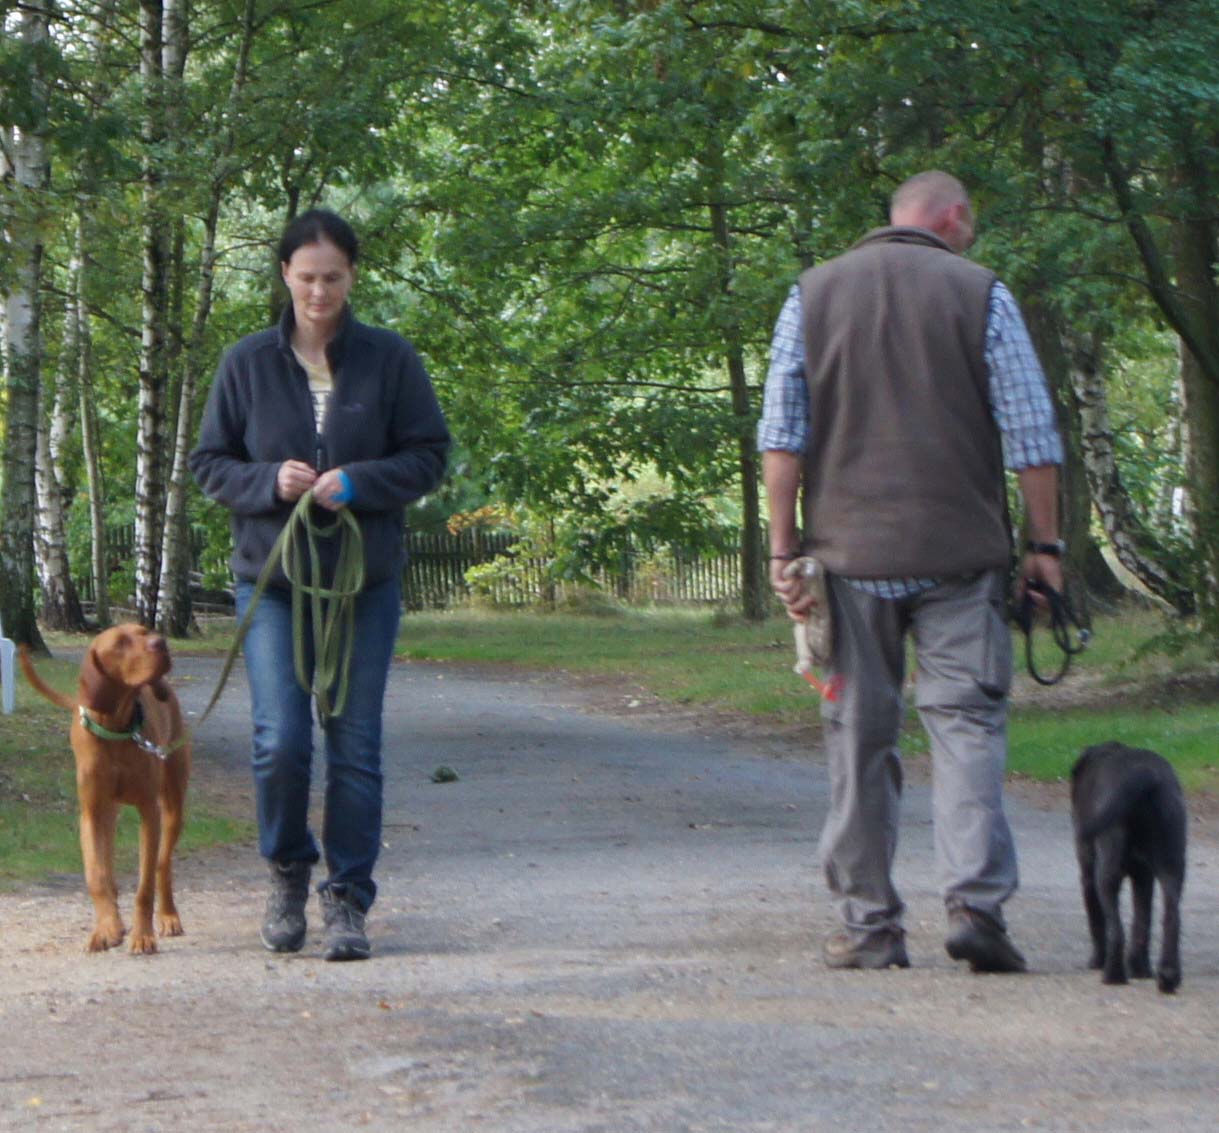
{"x":937,"y":202}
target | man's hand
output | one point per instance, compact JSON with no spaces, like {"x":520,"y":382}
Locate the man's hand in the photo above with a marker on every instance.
{"x":1046,"y":569}
{"x":293,"y":480}
{"x":788,"y":584}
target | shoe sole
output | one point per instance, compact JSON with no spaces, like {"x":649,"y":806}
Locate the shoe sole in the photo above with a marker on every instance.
{"x":292,"y":945}
{"x":868,"y":962}
{"x":347,"y":952}
{"x":981,"y":957}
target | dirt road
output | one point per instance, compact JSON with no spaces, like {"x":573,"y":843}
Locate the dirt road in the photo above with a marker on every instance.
{"x":608,"y":924}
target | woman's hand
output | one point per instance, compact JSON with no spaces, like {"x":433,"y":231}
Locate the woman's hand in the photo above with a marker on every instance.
{"x":332,"y":490}
{"x":293,"y":480}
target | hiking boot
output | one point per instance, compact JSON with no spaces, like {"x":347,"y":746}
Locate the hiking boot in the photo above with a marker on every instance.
{"x":283,"y":924}
{"x":980,"y":939}
{"x":345,"y":936}
{"x":885,"y":948}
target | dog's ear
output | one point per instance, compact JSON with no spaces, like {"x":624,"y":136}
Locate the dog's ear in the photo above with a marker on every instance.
{"x":98,"y":691}
{"x":160,"y":689}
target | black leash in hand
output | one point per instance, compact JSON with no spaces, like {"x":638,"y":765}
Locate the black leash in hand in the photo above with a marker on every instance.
{"x":1062,"y":623}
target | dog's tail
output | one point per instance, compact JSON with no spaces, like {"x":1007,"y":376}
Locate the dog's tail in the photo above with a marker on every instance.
{"x":1119,"y":799}
{"x":36,"y":682}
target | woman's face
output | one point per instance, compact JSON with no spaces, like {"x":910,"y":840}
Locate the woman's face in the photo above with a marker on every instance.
{"x":319,"y":278}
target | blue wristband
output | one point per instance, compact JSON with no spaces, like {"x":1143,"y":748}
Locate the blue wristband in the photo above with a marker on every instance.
{"x":348,"y":493}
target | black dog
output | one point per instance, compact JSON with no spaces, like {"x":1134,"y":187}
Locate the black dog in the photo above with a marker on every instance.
{"x":1129,"y":814}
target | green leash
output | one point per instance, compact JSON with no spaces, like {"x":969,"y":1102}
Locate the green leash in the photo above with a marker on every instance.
{"x":331,"y":609}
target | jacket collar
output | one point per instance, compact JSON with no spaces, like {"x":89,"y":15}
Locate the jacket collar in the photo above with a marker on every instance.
{"x":335,"y":348}
{"x":896,"y":234}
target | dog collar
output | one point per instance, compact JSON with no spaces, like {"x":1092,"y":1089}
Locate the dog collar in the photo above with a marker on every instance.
{"x":135,"y":735}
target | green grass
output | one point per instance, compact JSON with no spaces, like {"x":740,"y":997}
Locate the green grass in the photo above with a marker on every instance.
{"x":688,"y":657}
{"x":39,"y":831}
{"x":1045,"y":745}
{"x":693,"y":657}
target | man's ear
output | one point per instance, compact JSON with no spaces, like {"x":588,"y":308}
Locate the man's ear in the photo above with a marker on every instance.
{"x":98,"y":691}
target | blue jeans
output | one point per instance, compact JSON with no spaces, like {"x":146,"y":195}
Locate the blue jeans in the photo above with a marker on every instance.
{"x":283,"y":739}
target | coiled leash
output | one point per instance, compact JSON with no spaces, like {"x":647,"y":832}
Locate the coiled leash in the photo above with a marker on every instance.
{"x":1062,"y":620}
{"x":331,"y":608}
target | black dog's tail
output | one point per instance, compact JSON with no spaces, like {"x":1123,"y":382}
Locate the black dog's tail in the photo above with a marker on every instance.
{"x":1118,"y":799}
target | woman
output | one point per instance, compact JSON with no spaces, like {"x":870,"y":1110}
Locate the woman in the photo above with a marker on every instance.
{"x":321,"y":403}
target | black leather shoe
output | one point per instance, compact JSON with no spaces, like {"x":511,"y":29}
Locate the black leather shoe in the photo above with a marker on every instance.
{"x":978,"y":938}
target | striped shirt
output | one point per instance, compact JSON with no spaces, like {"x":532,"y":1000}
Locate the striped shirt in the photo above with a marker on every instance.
{"x":1019,"y":400}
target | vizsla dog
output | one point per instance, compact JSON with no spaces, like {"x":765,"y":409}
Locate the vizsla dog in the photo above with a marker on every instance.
{"x":129,"y":742}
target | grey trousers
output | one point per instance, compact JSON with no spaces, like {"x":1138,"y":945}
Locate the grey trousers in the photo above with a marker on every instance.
{"x":964,"y":666}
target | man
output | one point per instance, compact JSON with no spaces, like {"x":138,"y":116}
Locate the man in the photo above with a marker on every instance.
{"x":902,"y":379}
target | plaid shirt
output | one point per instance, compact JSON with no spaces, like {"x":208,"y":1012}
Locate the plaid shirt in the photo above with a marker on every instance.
{"x":1019,"y":400}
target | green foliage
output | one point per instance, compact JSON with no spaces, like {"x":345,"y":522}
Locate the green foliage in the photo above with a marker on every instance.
{"x":582,"y":212}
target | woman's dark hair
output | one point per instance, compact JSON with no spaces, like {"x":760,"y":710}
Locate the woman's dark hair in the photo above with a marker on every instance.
{"x":313,"y":227}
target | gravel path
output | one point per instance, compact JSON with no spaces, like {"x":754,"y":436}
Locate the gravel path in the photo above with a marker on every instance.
{"x":607,"y":924}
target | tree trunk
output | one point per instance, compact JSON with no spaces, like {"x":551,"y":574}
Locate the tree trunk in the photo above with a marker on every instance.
{"x":60,"y":602}
{"x":1195,"y":248}
{"x":172,"y":611}
{"x":753,"y":598}
{"x":98,"y":31}
{"x":156,"y":229}
{"x":90,"y":430}
{"x":1087,"y":572}
{"x":1084,"y":562}
{"x":29,"y":174}
{"x":1136,"y":548}
{"x":1183,"y":286}
{"x":174,"y":615}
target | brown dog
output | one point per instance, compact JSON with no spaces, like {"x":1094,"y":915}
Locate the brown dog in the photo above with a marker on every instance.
{"x":130,"y":746}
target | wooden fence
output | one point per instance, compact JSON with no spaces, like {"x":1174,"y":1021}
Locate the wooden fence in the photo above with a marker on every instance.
{"x":435,"y":574}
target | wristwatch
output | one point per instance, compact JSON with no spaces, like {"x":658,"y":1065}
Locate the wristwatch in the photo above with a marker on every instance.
{"x":1057,"y":548}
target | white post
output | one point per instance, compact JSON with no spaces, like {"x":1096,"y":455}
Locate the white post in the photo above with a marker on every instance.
{"x":8,"y":676}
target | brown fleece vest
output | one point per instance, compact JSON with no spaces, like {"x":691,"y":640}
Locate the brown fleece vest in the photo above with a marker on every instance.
{"x":904,"y":467}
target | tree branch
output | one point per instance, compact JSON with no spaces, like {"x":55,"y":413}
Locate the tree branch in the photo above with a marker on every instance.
{"x":1158,"y":280}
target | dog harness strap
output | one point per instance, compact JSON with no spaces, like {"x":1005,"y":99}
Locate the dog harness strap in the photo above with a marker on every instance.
{"x":135,"y":734}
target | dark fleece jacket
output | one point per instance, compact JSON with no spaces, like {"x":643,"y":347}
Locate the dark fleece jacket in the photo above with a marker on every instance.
{"x":384,"y":428}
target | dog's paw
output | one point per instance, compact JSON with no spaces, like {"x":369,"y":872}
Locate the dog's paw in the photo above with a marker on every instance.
{"x":104,"y":937}
{"x":170,"y":924}
{"x":143,"y":943}
{"x":1168,"y":979}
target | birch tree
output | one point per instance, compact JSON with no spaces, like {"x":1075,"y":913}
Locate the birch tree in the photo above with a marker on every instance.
{"x":61,"y":608}
{"x":173,"y":603}
{"x":23,"y":158}
{"x":153,"y":372}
